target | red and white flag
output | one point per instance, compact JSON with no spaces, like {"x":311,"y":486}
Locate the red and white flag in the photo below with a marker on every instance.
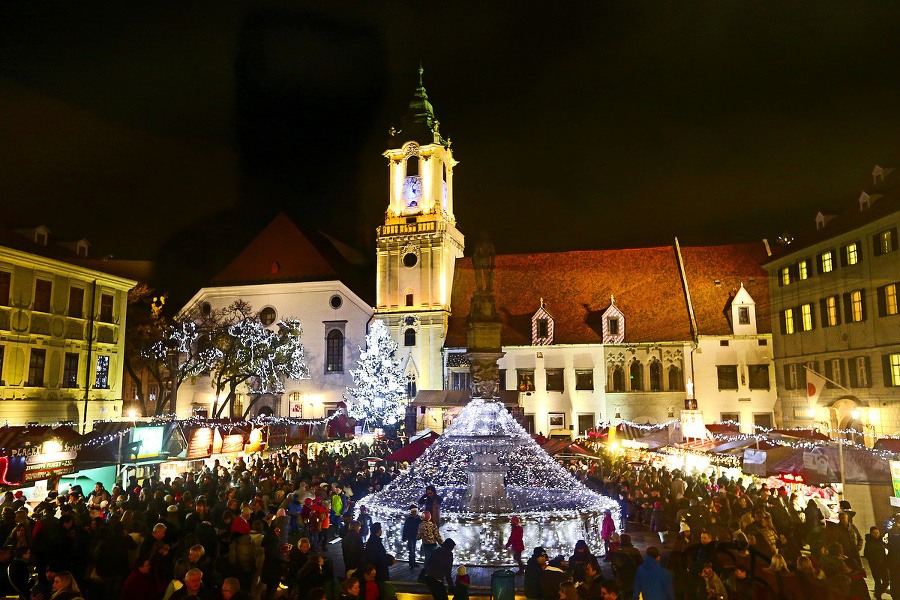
{"x":815,"y":383}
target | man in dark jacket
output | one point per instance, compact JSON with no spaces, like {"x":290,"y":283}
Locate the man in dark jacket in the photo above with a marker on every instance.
{"x":410,"y":531}
{"x":625,"y":560}
{"x":589,"y":589}
{"x":876,"y":553}
{"x":432,"y":502}
{"x":377,"y":556}
{"x":352,"y":547}
{"x":439,"y":568}
{"x":557,"y":572}
{"x":651,"y":581}
{"x":534,"y":573}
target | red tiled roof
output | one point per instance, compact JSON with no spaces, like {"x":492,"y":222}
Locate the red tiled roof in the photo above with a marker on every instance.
{"x":731,"y":266}
{"x":281,"y":252}
{"x":646,"y":284}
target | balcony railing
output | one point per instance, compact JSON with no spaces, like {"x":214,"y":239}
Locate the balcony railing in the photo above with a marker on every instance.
{"x":410,"y":228}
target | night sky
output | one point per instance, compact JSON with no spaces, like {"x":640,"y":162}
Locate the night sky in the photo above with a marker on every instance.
{"x":177,"y":129}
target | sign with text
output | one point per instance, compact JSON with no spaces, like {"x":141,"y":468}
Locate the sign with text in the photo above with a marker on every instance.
{"x":895,"y":477}
{"x":46,"y":466}
{"x":692,"y":425}
{"x":200,"y":444}
{"x":150,"y":438}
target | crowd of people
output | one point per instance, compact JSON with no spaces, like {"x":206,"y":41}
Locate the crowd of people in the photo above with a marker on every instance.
{"x":261,"y":528}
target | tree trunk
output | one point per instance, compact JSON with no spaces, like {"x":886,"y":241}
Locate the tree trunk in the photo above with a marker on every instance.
{"x":250,"y":405}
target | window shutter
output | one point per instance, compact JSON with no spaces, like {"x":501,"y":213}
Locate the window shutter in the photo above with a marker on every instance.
{"x":852,"y":379}
{"x":787,"y":377}
{"x":876,"y":244}
{"x":819,"y":264}
{"x":823,"y":311}
{"x":882,"y":302}
{"x":812,"y":315}
{"x":862,"y":298}
{"x":783,"y":323}
{"x":778,"y":277}
{"x":868,"y":367}
{"x":844,"y":256}
{"x":828,"y":374}
{"x":842,"y":365}
{"x":837,"y":312}
{"x":798,"y":319}
{"x":893,"y":238}
{"x":795,"y":273}
{"x":886,"y":370}
{"x":848,"y":309}
{"x":801,"y":376}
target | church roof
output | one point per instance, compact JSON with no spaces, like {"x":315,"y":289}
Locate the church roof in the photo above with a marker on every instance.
{"x":646,"y":284}
{"x":282,"y":253}
{"x":419,"y":123}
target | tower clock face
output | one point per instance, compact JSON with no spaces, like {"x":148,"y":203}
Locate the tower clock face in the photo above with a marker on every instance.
{"x":412,"y":191}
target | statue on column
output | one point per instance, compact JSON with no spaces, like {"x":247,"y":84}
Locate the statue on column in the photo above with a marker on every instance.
{"x":483,"y":261}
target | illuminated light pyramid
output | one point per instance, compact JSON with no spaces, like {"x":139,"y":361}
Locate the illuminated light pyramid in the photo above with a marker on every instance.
{"x":488,"y":469}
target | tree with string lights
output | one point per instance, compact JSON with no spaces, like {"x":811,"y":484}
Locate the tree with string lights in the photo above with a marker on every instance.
{"x":380,"y":386}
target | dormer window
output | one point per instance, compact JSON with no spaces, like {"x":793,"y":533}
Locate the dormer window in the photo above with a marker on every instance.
{"x":613,"y":323}
{"x":542,"y":327}
{"x":864,"y":202}
{"x":41,"y":235}
{"x":877,"y":174}
{"x":820,"y":221}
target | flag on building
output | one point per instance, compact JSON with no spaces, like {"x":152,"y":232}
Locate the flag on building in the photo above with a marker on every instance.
{"x":815,"y":383}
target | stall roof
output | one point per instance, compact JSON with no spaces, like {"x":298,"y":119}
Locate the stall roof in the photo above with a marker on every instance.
{"x":889,"y":445}
{"x":410,"y":452}
{"x":824,"y":466}
{"x":19,"y":435}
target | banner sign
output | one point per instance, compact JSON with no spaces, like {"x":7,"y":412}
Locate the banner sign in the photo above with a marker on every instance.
{"x":895,"y":477}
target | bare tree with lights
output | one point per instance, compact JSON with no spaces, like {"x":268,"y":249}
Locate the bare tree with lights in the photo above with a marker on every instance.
{"x":380,"y":385}
{"x":252,"y":354}
{"x":169,"y":351}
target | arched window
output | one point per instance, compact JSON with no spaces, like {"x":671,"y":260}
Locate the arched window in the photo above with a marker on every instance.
{"x":637,"y":376}
{"x":411,"y":385}
{"x":618,"y":379}
{"x":334,"y":351}
{"x":412,"y":166}
{"x":409,"y":337}
{"x":675,"y":381}
{"x":655,"y":376}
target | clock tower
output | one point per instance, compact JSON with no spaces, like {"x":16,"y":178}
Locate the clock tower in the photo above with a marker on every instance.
{"x":418,"y":244}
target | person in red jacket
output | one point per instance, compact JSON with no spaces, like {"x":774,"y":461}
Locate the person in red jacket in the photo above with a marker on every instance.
{"x":517,"y":543}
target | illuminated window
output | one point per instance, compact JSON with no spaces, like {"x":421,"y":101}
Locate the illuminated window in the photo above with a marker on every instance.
{"x":806,"y":312}
{"x":460,"y":381}
{"x":827,"y":261}
{"x":267,"y":316}
{"x":555,"y":380}
{"x":789,"y":321}
{"x":409,"y":337}
{"x":832,"y":314}
{"x":856,"y":303}
{"x":803,"y":269}
{"x":2,"y":353}
{"x":101,"y":381}
{"x":238,"y":410}
{"x":890,"y":299}
{"x":851,"y":253}
{"x":70,"y":370}
{"x":36,"y":368}
{"x":525,"y":380}
{"x":76,"y":302}
{"x":885,"y":242}
{"x":893,"y":375}
{"x":152,"y":392}
{"x":43,"y":289}
{"x":4,"y":288}
{"x":786,"y":276}
{"x":334,"y":352}
{"x":106,"y":308}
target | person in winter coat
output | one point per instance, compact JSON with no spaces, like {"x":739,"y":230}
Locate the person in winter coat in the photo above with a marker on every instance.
{"x":625,"y":560}
{"x":294,"y":510}
{"x":651,"y":581}
{"x":534,"y":574}
{"x":557,"y":572}
{"x":410,"y":534}
{"x":141,"y":584}
{"x":439,"y":569}
{"x":365,"y":522}
{"x":579,"y":560}
{"x":517,"y":543}
{"x":352,"y":547}
{"x":432,"y":502}
{"x":859,"y":590}
{"x":273,"y":562}
{"x":607,"y":529}
{"x":658,"y":521}
{"x":876,"y":553}
{"x":589,"y":589}
{"x":430,"y":536}
{"x":376,"y":555}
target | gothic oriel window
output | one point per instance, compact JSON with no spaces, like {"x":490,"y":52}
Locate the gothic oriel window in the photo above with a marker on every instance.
{"x":655,"y":377}
{"x":636,"y":372}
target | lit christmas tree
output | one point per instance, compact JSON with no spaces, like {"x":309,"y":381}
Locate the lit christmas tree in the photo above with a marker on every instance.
{"x":380,"y":385}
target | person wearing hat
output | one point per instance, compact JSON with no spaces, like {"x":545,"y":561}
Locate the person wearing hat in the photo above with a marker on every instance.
{"x":430,"y":536}
{"x":557,"y":572}
{"x":461,"y":589}
{"x":517,"y":543}
{"x":534,"y":574}
{"x":410,"y":534}
{"x":607,"y":529}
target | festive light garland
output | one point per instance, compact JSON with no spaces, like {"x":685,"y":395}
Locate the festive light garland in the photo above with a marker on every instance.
{"x":555,"y":509}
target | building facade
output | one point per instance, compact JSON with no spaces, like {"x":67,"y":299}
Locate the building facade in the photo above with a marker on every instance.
{"x":283,"y":274}
{"x":62,"y":332}
{"x":610,"y":335}
{"x":835,"y":312}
